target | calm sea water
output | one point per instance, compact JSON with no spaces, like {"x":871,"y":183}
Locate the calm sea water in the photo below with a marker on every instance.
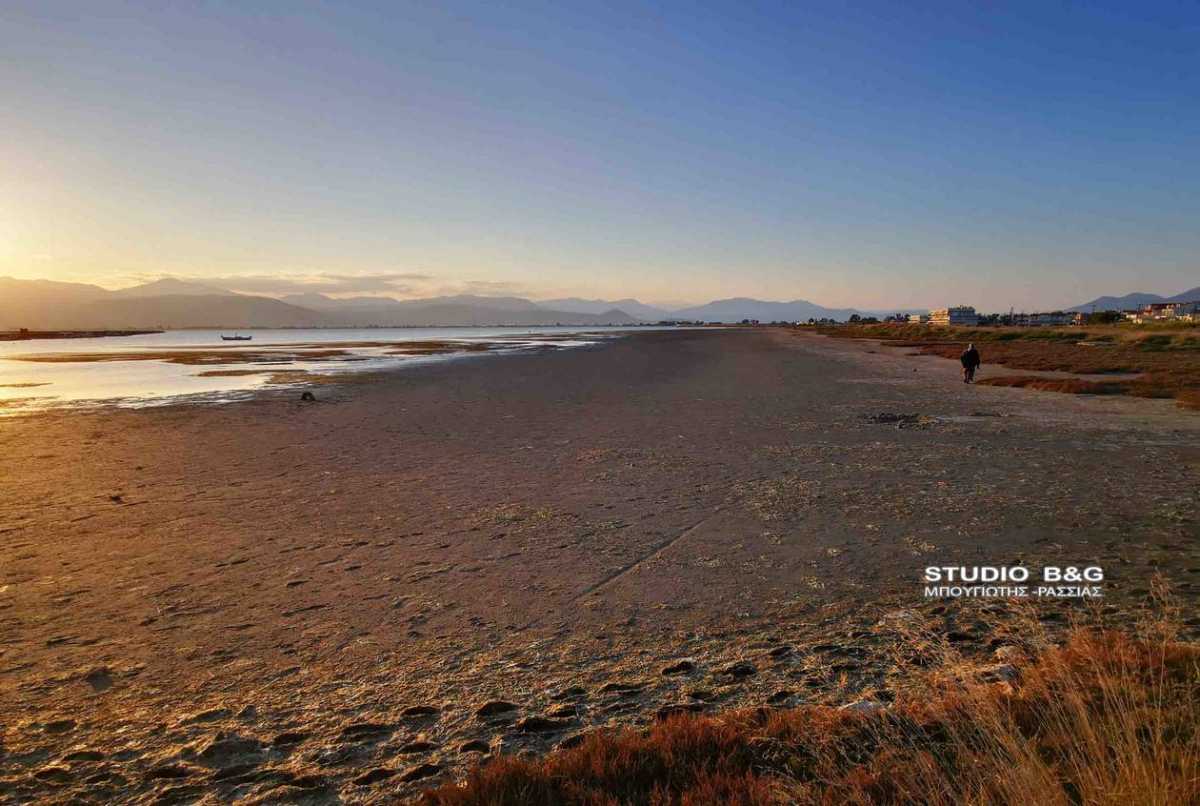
{"x":31,"y":385}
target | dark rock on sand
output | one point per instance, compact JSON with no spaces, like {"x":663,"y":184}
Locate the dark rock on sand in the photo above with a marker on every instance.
{"x":289,"y":738}
{"x":170,"y":771}
{"x":53,"y":774}
{"x":495,"y":708}
{"x":210,"y":715}
{"x":100,"y":679}
{"x":475,"y":746}
{"x":542,"y":724}
{"x":338,"y":755}
{"x":238,"y":773}
{"x":684,"y":666}
{"x":742,"y":668}
{"x":420,"y":710}
{"x":83,"y":755}
{"x":420,"y":771}
{"x":366,"y":731}
{"x":374,"y":776}
{"x":572,"y":693}
{"x":224,"y":748}
{"x":416,"y":747}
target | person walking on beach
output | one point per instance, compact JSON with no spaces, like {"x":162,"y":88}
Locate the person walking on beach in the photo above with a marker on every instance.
{"x":970,"y":362}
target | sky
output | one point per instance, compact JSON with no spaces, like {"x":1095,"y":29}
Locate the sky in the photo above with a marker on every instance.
{"x":1028,"y":155}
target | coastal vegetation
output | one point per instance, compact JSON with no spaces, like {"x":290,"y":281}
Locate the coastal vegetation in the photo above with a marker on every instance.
{"x":1154,"y":361}
{"x":1103,"y":718}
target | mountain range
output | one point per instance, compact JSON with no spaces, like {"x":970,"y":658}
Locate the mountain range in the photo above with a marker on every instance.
{"x":172,"y":303}
{"x":1134,"y":300}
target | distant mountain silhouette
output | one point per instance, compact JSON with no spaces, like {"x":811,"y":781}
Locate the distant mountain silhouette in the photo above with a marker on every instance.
{"x":463,"y":309}
{"x":739,"y":308}
{"x":630,"y":306}
{"x":46,"y":305}
{"x":1134,"y":300}
{"x":169,"y":286}
{"x":43,"y":304}
{"x":174,"y":311}
{"x":492,"y":303}
{"x":320,"y":302}
{"x":423,"y":313}
{"x":174,"y":303}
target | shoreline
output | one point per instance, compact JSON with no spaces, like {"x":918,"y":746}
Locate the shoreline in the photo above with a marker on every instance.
{"x":165,"y":375}
{"x":348,"y":583}
{"x":34,"y":335}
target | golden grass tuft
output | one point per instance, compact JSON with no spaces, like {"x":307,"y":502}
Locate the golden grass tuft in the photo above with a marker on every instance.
{"x":1104,"y":718}
{"x":1073,"y":386}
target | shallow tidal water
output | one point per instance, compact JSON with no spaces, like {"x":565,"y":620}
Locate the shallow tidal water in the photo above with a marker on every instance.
{"x":198,"y":366}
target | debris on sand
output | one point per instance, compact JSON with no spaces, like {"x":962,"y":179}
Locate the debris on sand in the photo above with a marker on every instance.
{"x":902,"y":420}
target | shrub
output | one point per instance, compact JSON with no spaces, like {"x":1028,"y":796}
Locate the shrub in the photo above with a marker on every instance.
{"x":1106,"y":718}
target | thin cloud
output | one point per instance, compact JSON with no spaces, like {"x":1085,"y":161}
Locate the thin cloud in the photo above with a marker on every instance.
{"x":487,"y":287}
{"x":399,"y":285}
{"x":391,"y":283}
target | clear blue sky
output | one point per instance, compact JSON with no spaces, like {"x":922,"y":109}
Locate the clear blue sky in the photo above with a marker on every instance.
{"x":873,"y":154}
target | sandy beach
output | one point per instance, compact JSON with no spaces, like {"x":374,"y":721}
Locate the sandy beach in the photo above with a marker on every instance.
{"x":349,"y":600}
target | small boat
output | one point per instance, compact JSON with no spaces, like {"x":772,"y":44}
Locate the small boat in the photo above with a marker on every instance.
{"x":235,"y":337}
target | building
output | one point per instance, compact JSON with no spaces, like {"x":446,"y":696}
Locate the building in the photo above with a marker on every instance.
{"x":1165,"y":312}
{"x":1051,"y":319}
{"x":959,"y":316}
{"x":918,"y":318}
{"x":1041,"y":319}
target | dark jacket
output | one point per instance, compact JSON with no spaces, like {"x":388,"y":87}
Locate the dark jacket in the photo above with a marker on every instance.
{"x":970,"y":358}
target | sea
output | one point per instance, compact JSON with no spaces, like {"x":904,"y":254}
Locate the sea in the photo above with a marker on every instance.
{"x":37,"y":374}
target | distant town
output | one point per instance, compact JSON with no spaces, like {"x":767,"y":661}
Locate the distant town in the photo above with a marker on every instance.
{"x":967,"y":316}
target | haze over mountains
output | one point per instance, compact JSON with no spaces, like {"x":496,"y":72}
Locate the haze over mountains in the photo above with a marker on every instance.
{"x":172,"y":303}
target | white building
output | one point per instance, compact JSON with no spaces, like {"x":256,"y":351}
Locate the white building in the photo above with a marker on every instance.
{"x":959,"y":316}
{"x":1165,"y":312}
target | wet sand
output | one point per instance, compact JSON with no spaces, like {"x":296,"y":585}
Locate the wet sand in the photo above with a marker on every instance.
{"x":278,"y":601}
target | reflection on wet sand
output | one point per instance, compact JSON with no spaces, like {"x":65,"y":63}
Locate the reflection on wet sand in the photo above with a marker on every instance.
{"x":148,"y":376}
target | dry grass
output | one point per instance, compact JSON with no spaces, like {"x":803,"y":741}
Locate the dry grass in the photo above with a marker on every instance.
{"x":1105,"y":718}
{"x":1165,"y":360}
{"x":1073,"y":386}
